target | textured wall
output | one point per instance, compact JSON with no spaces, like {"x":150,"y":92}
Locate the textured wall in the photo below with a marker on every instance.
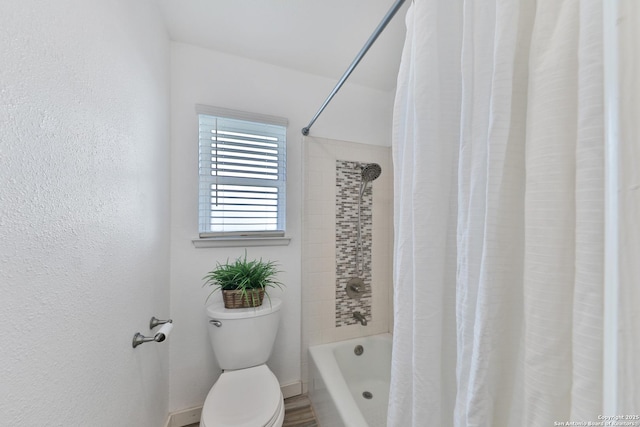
{"x":83,"y":212}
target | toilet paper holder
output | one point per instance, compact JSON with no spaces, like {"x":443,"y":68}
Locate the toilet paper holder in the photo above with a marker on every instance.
{"x":159,"y":336}
{"x":155,"y":322}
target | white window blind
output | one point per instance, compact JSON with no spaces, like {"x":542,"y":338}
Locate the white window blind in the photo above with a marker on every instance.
{"x":242,"y":173}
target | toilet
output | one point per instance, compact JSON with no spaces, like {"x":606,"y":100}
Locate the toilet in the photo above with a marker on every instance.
{"x":247,"y":394}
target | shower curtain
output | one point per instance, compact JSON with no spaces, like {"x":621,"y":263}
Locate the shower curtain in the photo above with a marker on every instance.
{"x":627,"y":342}
{"x":498,"y":150}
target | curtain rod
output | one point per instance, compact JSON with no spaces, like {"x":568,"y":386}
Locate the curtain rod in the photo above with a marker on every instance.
{"x":363,"y":51}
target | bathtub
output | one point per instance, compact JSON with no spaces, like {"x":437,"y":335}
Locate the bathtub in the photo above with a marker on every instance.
{"x":347,"y":390}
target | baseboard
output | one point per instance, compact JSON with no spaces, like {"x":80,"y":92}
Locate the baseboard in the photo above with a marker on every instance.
{"x":185,"y":417}
{"x":192,"y":415}
{"x":290,"y":390}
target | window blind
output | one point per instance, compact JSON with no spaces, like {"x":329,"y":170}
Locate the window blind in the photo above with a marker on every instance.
{"x":242,"y":167}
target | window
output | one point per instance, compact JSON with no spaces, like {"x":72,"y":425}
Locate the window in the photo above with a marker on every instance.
{"x":242,"y":174}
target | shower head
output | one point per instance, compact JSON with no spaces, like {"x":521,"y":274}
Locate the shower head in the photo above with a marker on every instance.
{"x":370,"y":172}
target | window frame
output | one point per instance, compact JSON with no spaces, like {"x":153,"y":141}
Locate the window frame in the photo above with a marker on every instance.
{"x":248,"y":237}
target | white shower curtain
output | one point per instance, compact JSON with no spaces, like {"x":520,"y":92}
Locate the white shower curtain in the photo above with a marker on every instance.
{"x":498,"y":152}
{"x":627,"y":99}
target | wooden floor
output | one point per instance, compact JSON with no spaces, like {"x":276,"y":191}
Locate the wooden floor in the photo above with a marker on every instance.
{"x":297,"y":413}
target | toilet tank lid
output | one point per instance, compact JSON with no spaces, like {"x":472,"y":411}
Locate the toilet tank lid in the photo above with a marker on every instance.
{"x":217,"y":310}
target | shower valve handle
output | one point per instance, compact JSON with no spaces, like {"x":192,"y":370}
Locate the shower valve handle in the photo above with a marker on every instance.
{"x":355,"y":288}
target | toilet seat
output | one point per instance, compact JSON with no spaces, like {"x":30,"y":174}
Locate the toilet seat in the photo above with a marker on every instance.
{"x":244,"y":398}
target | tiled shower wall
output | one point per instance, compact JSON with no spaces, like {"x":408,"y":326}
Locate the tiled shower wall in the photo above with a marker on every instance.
{"x":352,"y":261}
{"x":329,"y":237}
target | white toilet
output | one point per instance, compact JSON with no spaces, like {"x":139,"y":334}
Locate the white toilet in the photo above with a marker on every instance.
{"x":247,"y":394}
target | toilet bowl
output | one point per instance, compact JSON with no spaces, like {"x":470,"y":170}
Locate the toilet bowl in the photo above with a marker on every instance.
{"x":247,"y":393}
{"x":244,"y":398}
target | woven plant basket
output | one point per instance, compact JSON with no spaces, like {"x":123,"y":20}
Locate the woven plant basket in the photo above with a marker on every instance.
{"x":235,"y":298}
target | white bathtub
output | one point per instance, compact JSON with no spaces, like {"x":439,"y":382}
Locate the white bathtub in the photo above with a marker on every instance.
{"x":338,"y":379}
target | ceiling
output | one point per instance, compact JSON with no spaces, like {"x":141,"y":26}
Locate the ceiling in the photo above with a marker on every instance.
{"x":320,"y":37}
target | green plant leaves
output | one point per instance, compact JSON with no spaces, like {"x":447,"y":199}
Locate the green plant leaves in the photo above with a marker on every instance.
{"x":243,"y":274}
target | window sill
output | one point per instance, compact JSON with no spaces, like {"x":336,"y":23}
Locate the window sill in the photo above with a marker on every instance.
{"x":231,"y":242}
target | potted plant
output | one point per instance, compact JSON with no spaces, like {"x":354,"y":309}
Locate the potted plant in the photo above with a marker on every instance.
{"x":243,"y":283}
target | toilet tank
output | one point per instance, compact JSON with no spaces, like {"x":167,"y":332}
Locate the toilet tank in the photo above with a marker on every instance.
{"x":243,"y":337}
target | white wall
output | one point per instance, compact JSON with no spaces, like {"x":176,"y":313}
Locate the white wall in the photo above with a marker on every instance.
{"x":84,"y":212}
{"x":200,"y":76}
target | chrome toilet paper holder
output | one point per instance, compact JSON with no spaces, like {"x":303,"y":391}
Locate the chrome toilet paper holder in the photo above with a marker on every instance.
{"x":159,"y":336}
{"x":155,"y":322}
